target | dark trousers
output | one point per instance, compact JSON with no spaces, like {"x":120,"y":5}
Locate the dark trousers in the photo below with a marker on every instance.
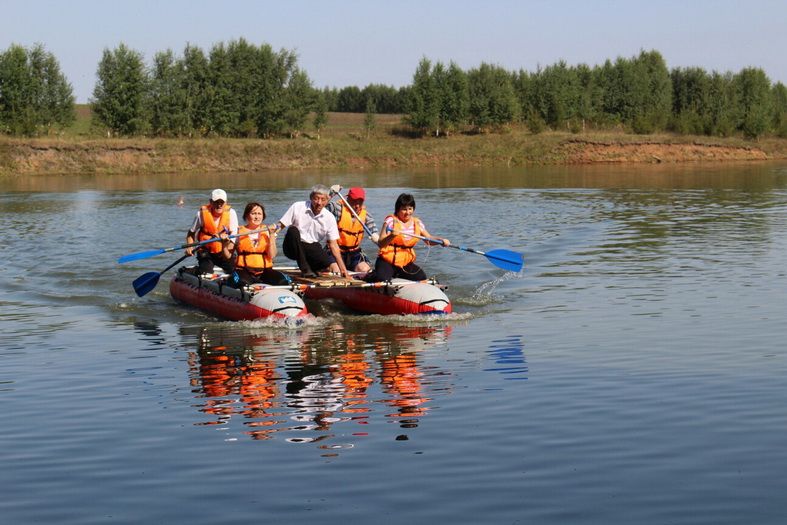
{"x":207,"y":261}
{"x":310,"y":256}
{"x":385,"y":271}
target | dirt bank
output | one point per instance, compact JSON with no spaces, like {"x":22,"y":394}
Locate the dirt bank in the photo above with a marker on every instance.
{"x":106,"y":156}
{"x":587,"y":152}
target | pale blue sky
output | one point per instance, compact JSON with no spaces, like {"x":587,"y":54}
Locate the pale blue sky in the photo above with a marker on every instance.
{"x":342,"y":43}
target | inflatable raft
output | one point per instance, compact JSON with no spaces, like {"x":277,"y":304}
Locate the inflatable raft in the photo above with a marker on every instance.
{"x":210,"y":293}
{"x":397,"y":297}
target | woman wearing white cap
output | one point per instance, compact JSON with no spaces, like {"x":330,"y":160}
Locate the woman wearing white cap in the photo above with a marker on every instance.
{"x":215,"y":219}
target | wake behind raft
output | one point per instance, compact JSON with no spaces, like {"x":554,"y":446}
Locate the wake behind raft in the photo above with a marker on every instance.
{"x":213,"y":294}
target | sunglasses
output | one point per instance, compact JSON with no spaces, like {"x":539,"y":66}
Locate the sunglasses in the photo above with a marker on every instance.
{"x":218,"y":203}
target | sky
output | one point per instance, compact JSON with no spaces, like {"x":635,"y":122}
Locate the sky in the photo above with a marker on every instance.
{"x":355,"y":42}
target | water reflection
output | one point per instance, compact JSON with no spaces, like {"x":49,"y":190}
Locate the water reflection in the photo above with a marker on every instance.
{"x":509,"y":358}
{"x":318,"y":384}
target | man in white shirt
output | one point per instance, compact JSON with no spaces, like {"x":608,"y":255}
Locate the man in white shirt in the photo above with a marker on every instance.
{"x":215,"y":219}
{"x":309,"y":227}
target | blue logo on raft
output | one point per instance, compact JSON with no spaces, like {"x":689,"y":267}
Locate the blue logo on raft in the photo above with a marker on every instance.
{"x":284,"y":299}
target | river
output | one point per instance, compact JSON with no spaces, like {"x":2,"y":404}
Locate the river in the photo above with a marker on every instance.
{"x":633,"y":372}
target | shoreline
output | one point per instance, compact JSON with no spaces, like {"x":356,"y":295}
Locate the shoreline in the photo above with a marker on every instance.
{"x":76,"y":155}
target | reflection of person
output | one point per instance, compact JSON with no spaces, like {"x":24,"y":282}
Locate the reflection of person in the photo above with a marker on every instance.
{"x":310,"y":226}
{"x":254,"y":252}
{"x":351,"y":231}
{"x":396,"y":257}
{"x":224,"y":379}
{"x":215,"y":219}
{"x":400,"y":376}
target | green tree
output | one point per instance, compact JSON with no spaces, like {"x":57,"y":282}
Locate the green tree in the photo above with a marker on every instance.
{"x":17,"y":114}
{"x":492,"y":98}
{"x":299,"y":100}
{"x":35,"y":96}
{"x":320,"y":114}
{"x":589,"y":98}
{"x":222,"y":115}
{"x":251,"y":72}
{"x":119,"y":96}
{"x":424,"y":100}
{"x":560,"y":95}
{"x":350,"y":100}
{"x":753,"y":89}
{"x":169,"y":97}
{"x":369,"y":121}
{"x":723,"y":105}
{"x":52,"y":96}
{"x":454,"y":97}
{"x":690,"y":101}
{"x":651,"y":93}
{"x":195,"y":77}
{"x":779,"y":98}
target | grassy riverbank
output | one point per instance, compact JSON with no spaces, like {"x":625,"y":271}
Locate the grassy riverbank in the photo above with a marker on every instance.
{"x":344,"y":144}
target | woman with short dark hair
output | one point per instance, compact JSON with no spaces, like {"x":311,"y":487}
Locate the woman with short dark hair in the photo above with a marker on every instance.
{"x":396,"y":257}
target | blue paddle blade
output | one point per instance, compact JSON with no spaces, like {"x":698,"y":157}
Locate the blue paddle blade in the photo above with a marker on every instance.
{"x":140,"y":255}
{"x":145,"y":283}
{"x":505,"y":259}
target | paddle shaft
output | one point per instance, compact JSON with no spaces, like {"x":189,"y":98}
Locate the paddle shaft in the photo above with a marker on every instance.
{"x":152,"y":253}
{"x":174,"y":264}
{"x":145,"y":283}
{"x":365,"y":228}
{"x":504,"y":259}
{"x":214,"y":239}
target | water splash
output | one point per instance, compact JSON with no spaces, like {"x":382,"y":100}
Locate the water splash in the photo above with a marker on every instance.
{"x":484,"y":295}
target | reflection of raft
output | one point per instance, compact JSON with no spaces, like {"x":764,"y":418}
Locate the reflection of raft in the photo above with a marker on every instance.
{"x":398,"y":296}
{"x":209,"y":293}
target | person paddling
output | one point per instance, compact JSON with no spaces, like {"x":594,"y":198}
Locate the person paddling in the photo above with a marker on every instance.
{"x":351,"y":231}
{"x":215,"y":219}
{"x":254,"y":252}
{"x":396,"y":257}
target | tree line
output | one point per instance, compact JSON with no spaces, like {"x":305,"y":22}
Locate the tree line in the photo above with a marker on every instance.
{"x":639,"y":94}
{"x":239,"y":89}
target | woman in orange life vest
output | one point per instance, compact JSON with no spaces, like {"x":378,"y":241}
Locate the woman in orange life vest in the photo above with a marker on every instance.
{"x":351,"y":231}
{"x":254,"y":253}
{"x":215,"y":219}
{"x":397,"y":254}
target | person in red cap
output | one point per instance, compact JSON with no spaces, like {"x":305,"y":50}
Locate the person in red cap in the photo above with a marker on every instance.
{"x":351,"y":232}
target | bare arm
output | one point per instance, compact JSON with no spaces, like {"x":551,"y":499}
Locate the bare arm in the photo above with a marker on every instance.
{"x":271,"y":250}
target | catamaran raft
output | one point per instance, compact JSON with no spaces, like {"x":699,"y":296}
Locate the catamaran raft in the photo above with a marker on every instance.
{"x":212,"y":293}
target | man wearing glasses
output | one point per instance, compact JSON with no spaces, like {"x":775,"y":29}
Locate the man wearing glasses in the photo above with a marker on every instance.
{"x":215,"y":219}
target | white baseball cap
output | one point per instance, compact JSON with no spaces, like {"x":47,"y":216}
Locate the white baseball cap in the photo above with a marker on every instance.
{"x":218,"y":195}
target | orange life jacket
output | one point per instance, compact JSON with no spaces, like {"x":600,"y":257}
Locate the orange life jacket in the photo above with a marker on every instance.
{"x":210,"y":229}
{"x":251,"y":256}
{"x":400,"y":251}
{"x":350,"y":230}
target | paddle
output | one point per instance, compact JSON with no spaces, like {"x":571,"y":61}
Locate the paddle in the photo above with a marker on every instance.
{"x":152,"y":253}
{"x":505,"y":259}
{"x":145,"y":283}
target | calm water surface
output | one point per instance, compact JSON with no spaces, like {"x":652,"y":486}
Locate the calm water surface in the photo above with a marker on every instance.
{"x":634,"y":372}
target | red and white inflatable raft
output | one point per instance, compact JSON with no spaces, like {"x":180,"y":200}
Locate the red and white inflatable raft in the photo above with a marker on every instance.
{"x":209,"y":293}
{"x":396,"y":297}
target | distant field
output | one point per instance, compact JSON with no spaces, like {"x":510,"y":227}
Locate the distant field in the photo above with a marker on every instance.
{"x":338,"y":123}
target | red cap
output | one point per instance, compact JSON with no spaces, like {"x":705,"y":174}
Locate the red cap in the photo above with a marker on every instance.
{"x":356,"y":193}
